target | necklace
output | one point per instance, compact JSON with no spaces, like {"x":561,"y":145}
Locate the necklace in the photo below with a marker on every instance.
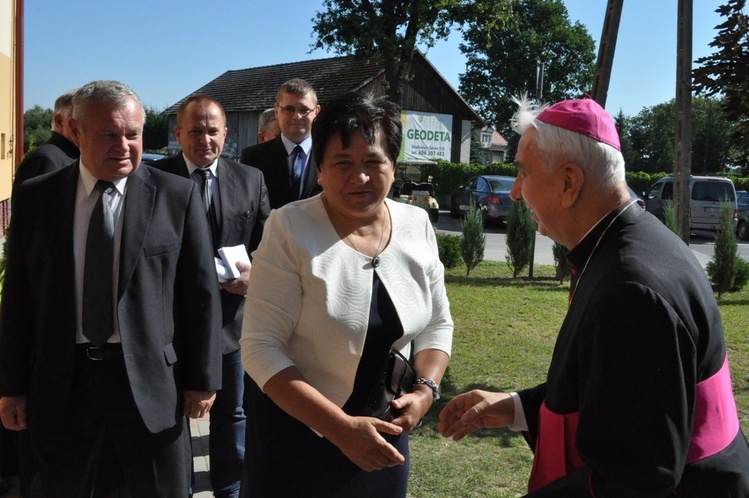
{"x":376,"y":258}
{"x":585,"y":266}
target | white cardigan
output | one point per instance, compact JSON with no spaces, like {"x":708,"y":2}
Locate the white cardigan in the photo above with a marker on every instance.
{"x":309,"y":296}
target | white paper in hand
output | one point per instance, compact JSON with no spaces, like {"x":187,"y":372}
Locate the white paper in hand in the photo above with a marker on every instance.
{"x":223,"y":274}
{"x":232,"y":255}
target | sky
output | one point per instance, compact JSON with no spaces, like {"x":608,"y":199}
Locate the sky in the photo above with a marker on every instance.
{"x":167,"y":49}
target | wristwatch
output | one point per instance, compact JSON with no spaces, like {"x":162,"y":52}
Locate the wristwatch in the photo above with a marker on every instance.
{"x":431,"y":385}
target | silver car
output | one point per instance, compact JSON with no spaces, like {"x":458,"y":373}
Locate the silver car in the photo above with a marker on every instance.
{"x":490,"y":193}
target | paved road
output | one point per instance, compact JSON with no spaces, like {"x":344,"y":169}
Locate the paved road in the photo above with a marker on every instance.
{"x":702,"y":244}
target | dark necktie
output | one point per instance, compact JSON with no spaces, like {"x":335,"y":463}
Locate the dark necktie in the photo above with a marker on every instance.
{"x":98,"y":271}
{"x":297,"y":168}
{"x":210,"y":207}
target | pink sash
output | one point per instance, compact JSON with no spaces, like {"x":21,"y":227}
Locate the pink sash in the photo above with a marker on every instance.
{"x":716,"y":424}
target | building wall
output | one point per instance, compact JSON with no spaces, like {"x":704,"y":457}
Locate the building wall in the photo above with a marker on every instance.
{"x":8,"y":107}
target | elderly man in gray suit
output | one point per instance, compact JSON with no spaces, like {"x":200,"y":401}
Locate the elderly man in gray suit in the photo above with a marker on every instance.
{"x":110,"y":310}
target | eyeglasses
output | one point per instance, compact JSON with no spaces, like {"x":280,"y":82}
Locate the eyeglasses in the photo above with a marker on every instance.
{"x":290,"y":110}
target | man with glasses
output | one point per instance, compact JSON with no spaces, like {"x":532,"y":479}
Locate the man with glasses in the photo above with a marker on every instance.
{"x":287,"y":164}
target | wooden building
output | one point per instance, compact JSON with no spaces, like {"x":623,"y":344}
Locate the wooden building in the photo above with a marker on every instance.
{"x":246,"y":93}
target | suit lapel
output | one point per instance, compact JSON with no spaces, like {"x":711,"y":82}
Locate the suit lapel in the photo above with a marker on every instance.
{"x":227,"y":191}
{"x":65,"y":232}
{"x":139,"y":204}
{"x":310,"y":180}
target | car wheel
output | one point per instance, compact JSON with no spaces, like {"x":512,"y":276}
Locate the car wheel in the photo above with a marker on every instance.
{"x":743,"y":230}
{"x":454,"y":211}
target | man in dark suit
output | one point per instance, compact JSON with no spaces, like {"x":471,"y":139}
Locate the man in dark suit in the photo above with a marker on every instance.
{"x":110,"y":310}
{"x":287,"y":164}
{"x":57,"y":152}
{"x":240,"y":203}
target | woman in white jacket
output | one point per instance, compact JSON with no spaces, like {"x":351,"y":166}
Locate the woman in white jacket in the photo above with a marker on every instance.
{"x":337,"y":281}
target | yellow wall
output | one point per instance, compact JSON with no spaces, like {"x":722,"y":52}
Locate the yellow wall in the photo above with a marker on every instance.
{"x":8,"y":147}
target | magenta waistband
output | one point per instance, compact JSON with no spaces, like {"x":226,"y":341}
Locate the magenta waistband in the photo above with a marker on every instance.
{"x":716,"y":420}
{"x":715,"y":426}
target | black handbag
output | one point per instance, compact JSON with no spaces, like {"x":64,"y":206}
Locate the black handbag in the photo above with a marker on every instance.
{"x":396,"y":377}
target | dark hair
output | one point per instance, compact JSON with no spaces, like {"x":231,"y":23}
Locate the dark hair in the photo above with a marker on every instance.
{"x":354,"y":112}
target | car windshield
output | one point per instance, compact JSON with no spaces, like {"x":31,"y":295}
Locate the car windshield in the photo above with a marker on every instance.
{"x":500,"y":186}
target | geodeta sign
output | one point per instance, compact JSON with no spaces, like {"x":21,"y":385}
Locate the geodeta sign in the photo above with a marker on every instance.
{"x":426,"y":136}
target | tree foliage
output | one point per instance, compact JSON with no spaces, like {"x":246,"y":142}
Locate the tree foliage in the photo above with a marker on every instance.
{"x":37,"y":126}
{"x":501,"y":57}
{"x":156,"y":130}
{"x":386,"y":29}
{"x":726,"y":71}
{"x":648,"y":138}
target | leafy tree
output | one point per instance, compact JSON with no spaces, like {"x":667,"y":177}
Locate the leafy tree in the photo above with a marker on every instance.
{"x":156,"y":130}
{"x":726,"y":71}
{"x":648,"y":138}
{"x":391,"y":30}
{"x":37,"y":126}
{"x":501,"y":59}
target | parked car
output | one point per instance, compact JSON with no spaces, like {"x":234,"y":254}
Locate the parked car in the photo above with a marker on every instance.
{"x":706,"y":194}
{"x":149,"y":158}
{"x":742,"y":217}
{"x":637,"y":199}
{"x":490,"y":193}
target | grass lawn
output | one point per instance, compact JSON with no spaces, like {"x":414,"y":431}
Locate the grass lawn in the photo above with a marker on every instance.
{"x":504,"y":334}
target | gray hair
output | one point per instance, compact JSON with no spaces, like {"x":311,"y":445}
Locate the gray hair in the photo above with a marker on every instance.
{"x":602,"y":163}
{"x":108,"y":91}
{"x":266,"y":118}
{"x":63,"y":106}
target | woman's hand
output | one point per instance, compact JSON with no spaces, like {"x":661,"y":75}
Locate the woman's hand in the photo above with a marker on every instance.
{"x":360,"y":440}
{"x":413,"y":407}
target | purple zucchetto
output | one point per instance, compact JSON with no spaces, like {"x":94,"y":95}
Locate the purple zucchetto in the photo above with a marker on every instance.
{"x":585,"y":117}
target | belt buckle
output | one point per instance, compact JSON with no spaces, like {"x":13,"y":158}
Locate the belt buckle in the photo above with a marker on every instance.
{"x":88,"y":353}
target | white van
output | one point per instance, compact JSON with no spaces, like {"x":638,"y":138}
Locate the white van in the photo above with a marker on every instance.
{"x":704,"y":203}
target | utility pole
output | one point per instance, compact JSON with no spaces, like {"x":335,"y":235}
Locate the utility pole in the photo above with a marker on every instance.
{"x":606,"y":51}
{"x":683,"y":128}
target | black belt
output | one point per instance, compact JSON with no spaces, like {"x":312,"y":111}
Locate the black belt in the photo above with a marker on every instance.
{"x":106,"y":352}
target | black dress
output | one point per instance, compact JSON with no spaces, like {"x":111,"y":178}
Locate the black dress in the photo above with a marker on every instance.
{"x":285,"y":458}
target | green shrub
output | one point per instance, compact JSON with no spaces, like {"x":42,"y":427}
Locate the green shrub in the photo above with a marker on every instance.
{"x":562,"y":265}
{"x":473,"y":242}
{"x":742,"y":275}
{"x":724,"y":255}
{"x":521,"y":230}
{"x":449,"y":249}
{"x":670,"y":218}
